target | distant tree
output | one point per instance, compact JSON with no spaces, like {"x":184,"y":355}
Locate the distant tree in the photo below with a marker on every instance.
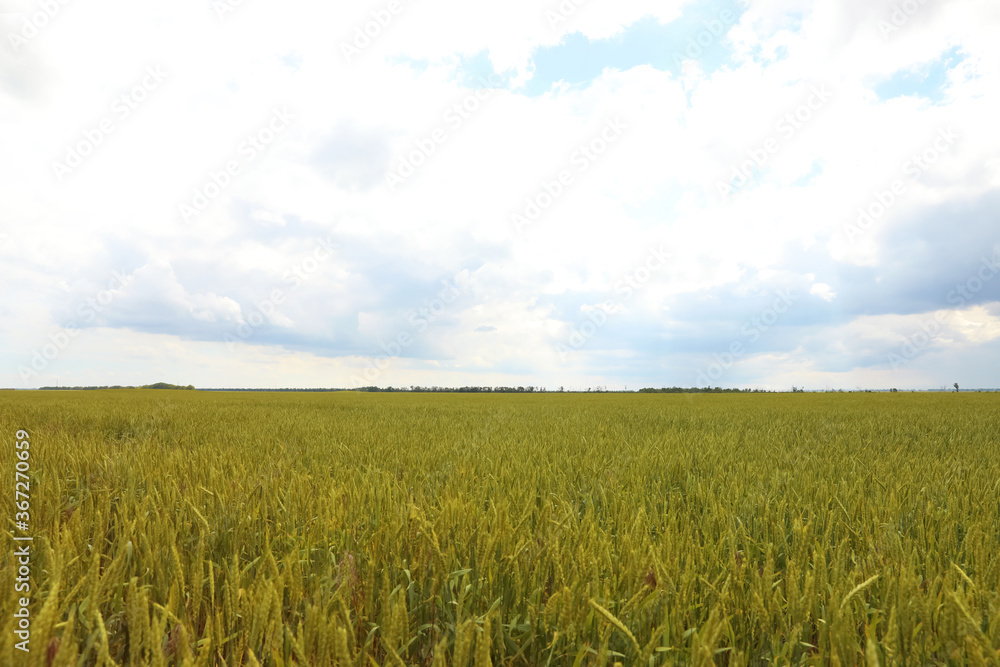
{"x":956,"y":387}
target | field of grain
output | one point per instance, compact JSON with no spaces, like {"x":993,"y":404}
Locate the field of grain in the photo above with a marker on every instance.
{"x":456,"y":529}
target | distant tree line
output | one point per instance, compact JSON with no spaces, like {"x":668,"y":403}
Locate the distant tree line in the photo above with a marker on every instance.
{"x":461,"y":390}
{"x":700,"y":390}
{"x":287,"y":389}
{"x":477,"y":389}
{"x":158,"y":385}
{"x":511,"y":390}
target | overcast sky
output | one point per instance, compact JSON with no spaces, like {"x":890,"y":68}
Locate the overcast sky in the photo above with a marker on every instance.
{"x":433,"y":192}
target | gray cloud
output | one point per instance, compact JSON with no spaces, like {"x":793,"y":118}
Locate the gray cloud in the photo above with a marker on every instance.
{"x":353,"y":158}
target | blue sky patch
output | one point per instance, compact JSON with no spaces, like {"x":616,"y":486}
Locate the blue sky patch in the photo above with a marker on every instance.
{"x":699,"y":34}
{"x":418,"y":65}
{"x":477,"y":72}
{"x":809,"y":176}
{"x":928,"y":81}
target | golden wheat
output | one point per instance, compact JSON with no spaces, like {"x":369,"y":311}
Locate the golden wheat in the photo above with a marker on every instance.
{"x":188,"y":528}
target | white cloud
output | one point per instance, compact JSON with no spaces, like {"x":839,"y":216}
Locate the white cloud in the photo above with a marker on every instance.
{"x":655,"y":184}
{"x":823,"y":291}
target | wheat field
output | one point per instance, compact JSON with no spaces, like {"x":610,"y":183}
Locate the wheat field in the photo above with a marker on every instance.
{"x":195,"y":528}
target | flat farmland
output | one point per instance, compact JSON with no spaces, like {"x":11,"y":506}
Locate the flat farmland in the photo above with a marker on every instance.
{"x":182,"y":527}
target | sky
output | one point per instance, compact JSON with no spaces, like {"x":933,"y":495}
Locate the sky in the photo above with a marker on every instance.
{"x":756,"y":194}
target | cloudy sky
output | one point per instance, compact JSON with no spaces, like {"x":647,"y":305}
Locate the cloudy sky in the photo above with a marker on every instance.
{"x":237,"y":193}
